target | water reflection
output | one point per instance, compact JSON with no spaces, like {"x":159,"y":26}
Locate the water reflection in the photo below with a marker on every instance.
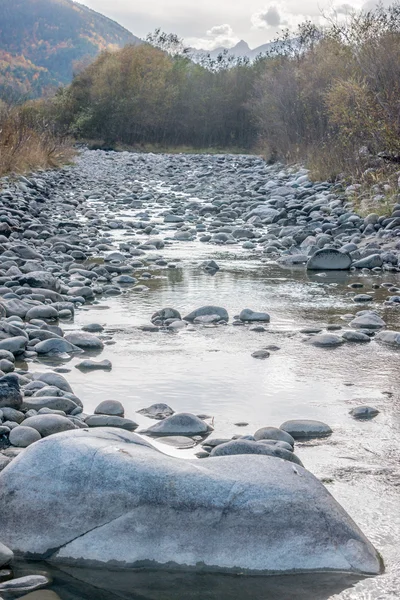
{"x":95,"y":584}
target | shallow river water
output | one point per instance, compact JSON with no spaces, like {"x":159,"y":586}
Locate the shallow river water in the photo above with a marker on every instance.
{"x":210,"y":370}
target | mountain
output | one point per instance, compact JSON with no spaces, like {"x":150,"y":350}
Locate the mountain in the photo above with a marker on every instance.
{"x":42,"y":42}
{"x":241,"y":49}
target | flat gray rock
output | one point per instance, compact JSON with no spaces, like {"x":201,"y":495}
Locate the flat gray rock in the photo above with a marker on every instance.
{"x":235,"y":513}
{"x":306,"y":428}
{"x":177,"y":441}
{"x":250,"y":315}
{"x":329,"y":260}
{"x":110,"y":421}
{"x":208,"y":311}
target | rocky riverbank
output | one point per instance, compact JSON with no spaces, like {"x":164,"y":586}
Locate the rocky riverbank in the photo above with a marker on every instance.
{"x":59,"y":256}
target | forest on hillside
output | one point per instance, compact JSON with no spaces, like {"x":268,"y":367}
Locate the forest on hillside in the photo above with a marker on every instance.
{"x":331,"y":99}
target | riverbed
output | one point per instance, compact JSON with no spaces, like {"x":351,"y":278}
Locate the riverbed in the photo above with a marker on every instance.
{"x":210,"y":370}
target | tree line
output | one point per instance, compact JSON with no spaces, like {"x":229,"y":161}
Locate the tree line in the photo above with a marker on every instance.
{"x":329,"y":96}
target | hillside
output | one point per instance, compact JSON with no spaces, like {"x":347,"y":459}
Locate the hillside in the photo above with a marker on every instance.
{"x":42,"y":42}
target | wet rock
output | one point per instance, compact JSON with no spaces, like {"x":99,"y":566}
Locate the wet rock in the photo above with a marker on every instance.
{"x":157,"y":411}
{"x":56,"y":346}
{"x":177,"y":441}
{"x":325,"y":340}
{"x":184,"y":424}
{"x":328,"y":260}
{"x":93,"y":328}
{"x":364,"y":412}
{"x":306,"y":428}
{"x":111,"y":421}
{"x":362,"y":298}
{"x":355,"y":336}
{"x":368,"y":320}
{"x":110,"y":407}
{"x":207,"y":311}
{"x":261,"y":354}
{"x":84,"y":340}
{"x":386,"y":337}
{"x":92,"y":365}
{"x":22,"y":437}
{"x":250,"y":315}
{"x":277,"y":505}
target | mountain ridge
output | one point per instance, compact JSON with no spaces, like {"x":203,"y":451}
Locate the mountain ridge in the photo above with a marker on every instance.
{"x":48,"y":39}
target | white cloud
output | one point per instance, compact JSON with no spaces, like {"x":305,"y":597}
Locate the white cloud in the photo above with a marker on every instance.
{"x":217,"y":36}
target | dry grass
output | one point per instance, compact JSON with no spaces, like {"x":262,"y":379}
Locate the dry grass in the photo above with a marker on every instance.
{"x":27,"y":146}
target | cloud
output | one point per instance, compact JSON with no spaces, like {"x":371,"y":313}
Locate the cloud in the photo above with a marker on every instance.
{"x":273,"y":17}
{"x":217,"y":36}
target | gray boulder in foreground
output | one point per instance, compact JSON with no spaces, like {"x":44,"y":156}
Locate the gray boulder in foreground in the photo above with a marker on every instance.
{"x":106,"y":497}
{"x":329,"y":260}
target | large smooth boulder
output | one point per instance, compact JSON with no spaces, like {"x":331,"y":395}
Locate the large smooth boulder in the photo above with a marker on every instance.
{"x":205,"y":311}
{"x":10,"y":394}
{"x":180,"y":424}
{"x":106,"y":497}
{"x":329,"y":260}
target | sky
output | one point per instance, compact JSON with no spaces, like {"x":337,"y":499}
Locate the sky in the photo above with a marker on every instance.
{"x":209,"y":24}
